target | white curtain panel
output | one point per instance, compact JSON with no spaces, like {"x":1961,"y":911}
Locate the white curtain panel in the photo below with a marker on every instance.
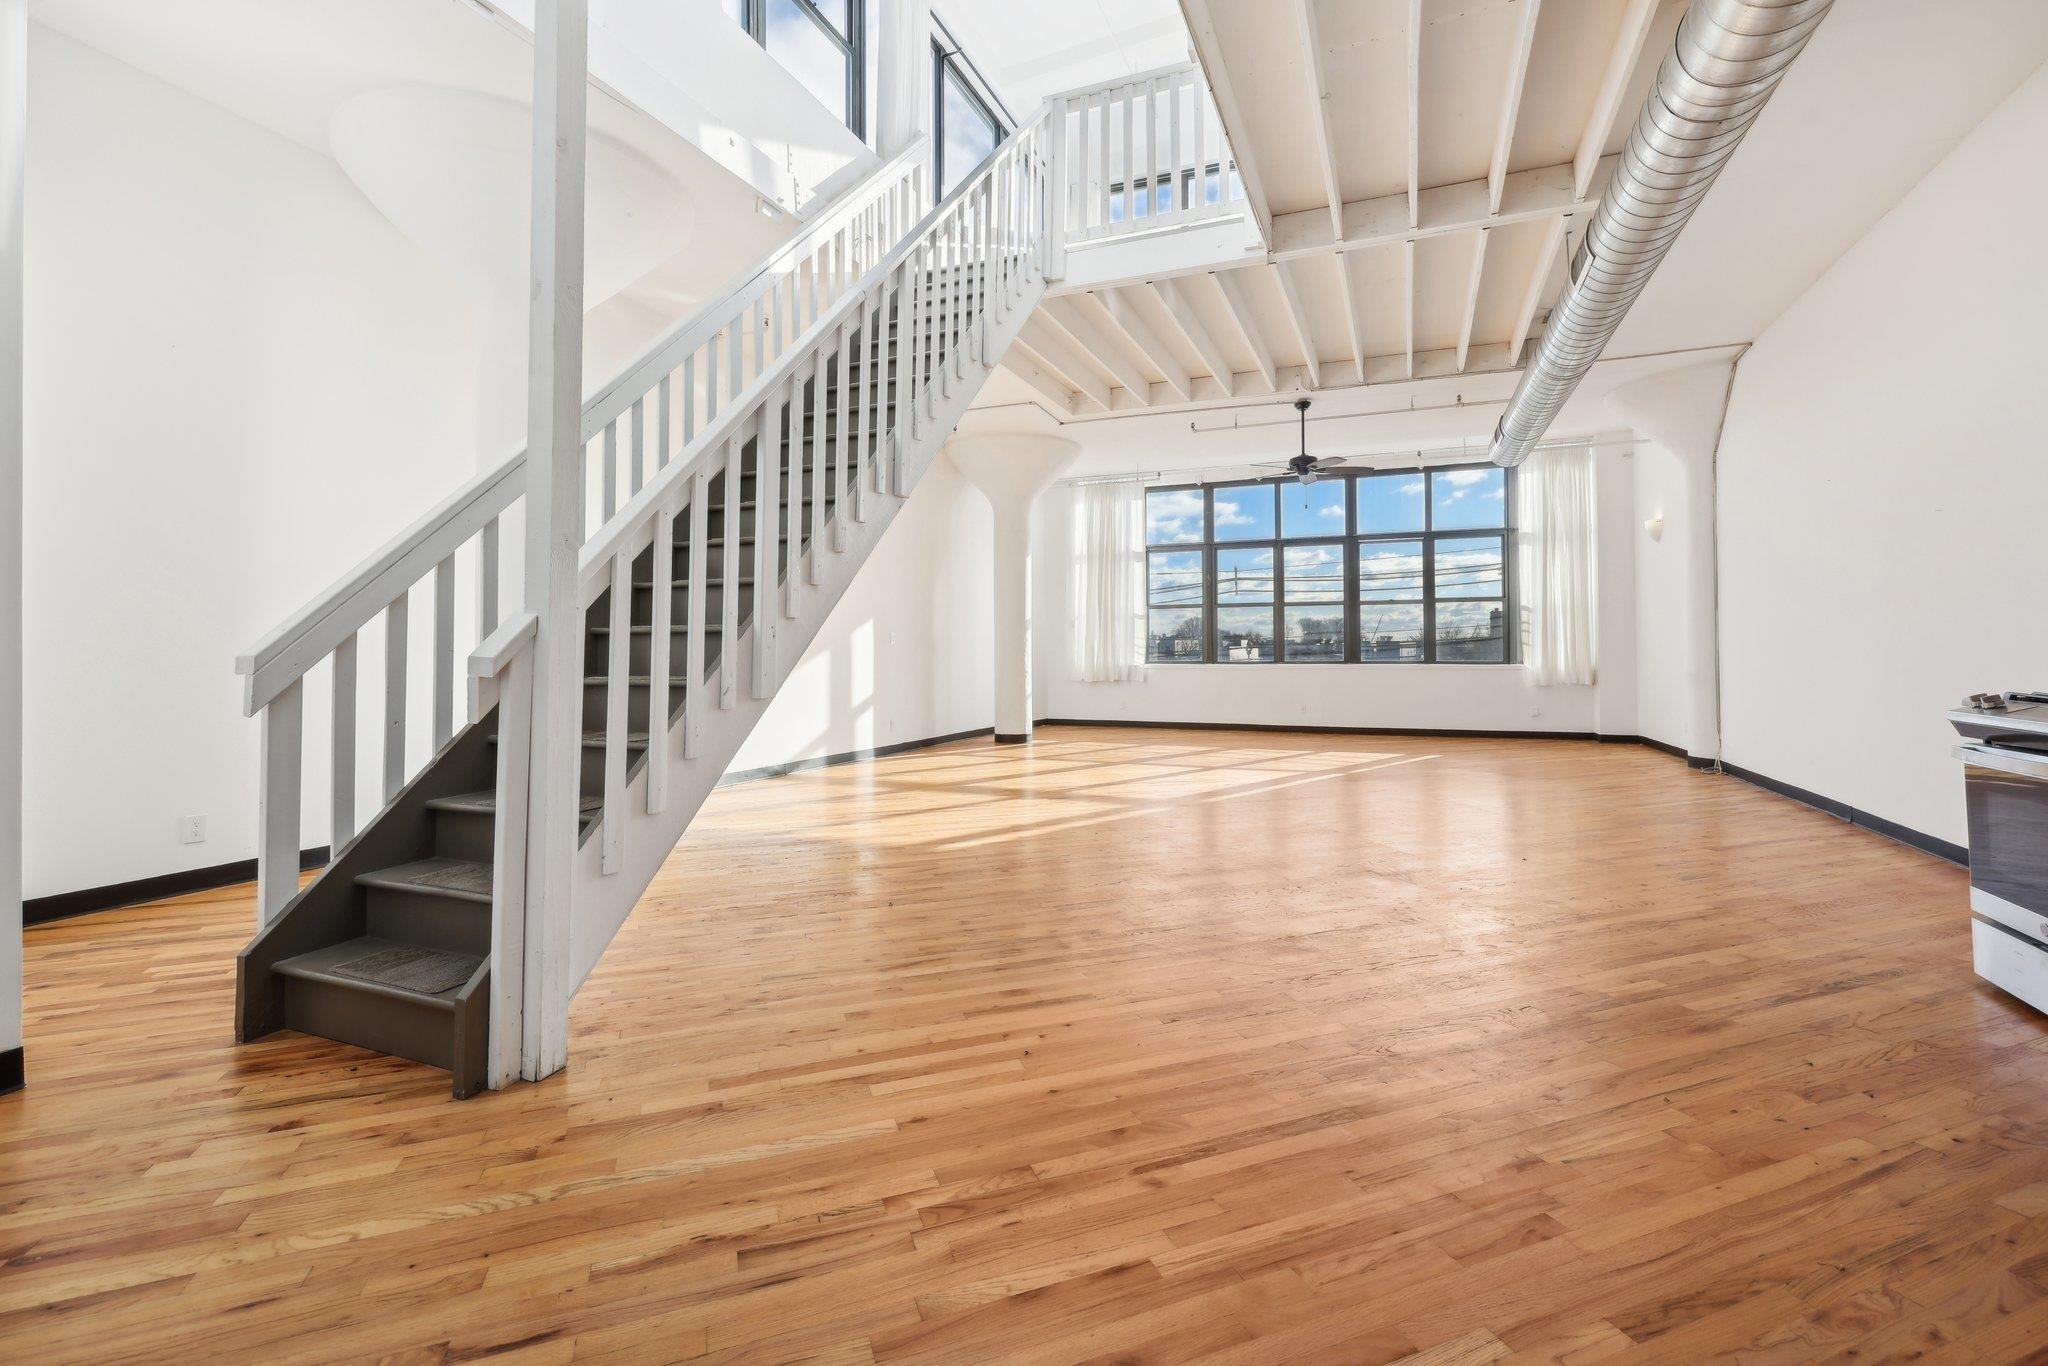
{"x":1555,"y":517}
{"x":904,"y":87}
{"x":1108,"y":580}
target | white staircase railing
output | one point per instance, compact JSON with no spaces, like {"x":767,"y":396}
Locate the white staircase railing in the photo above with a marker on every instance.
{"x":934,"y":314}
{"x":1143,"y":154}
{"x":889,"y":313}
{"x":633,"y":427}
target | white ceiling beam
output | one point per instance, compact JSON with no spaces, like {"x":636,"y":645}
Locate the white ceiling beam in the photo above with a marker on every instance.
{"x":1353,"y":315}
{"x":1511,"y":102}
{"x":1124,"y":316}
{"x":1318,"y":91}
{"x":1408,"y":270}
{"x":1621,"y":65}
{"x":1172,"y":296}
{"x":1414,"y":112}
{"x":1063,"y":360}
{"x":1472,"y":296}
{"x":1539,"y":282}
{"x":1019,"y":361}
{"x":1066,"y":317}
{"x":1216,"y":71}
{"x":1231,"y":284}
{"x":1526,"y":196}
{"x":1297,"y":317}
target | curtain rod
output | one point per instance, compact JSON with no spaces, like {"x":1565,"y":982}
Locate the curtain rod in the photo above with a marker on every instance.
{"x":1147,"y":476}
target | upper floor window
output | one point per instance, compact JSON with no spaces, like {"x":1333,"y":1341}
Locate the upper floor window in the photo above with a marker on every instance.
{"x":820,"y":42}
{"x":1407,"y":567}
{"x":967,"y":122}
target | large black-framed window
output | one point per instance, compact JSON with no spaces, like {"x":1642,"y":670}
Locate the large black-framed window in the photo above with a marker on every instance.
{"x":967,"y":121}
{"x":1373,"y":567}
{"x":823,"y":43}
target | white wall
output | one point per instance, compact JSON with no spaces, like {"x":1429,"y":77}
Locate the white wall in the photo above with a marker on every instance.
{"x":1882,"y":487}
{"x":13,"y":132}
{"x":1662,"y":709}
{"x":241,"y":381}
{"x":907,"y":653}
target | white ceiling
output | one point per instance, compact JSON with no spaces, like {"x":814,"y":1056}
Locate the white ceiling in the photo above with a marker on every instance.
{"x":1882,"y":91}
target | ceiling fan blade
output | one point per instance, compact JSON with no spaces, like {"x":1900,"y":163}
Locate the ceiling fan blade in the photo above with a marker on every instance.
{"x":1330,"y":462}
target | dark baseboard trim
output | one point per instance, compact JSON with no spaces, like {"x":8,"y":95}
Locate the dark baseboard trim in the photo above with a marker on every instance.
{"x":40,"y":910}
{"x":853,"y":756}
{"x":1580,"y":735}
{"x":1003,"y":739}
{"x":13,"y":1072}
{"x":1892,"y":830}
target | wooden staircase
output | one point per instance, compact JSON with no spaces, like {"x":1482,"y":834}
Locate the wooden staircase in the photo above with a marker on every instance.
{"x":390,"y":948}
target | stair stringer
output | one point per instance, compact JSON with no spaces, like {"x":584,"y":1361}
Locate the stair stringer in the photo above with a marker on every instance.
{"x":601,"y":903}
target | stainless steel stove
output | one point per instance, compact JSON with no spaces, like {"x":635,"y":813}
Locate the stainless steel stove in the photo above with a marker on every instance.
{"x":2005,"y":781}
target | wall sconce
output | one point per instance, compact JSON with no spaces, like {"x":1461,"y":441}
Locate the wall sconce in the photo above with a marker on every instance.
{"x":1655,"y":526}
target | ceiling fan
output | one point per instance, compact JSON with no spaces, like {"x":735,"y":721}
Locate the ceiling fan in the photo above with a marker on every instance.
{"x":1305,"y":467}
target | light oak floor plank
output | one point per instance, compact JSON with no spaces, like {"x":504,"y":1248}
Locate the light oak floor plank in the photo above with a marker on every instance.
{"x":1140,"y":1045}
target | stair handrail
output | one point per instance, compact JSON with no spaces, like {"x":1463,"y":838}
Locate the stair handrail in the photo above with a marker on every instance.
{"x":309,"y":635}
{"x":854,"y":227}
{"x":618,"y":534}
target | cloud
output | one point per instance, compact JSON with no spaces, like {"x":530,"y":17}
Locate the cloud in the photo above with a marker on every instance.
{"x":1463,"y":477}
{"x":1336,"y":510}
{"x":1228,"y":513}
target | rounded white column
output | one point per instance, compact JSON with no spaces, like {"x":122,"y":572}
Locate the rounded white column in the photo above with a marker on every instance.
{"x":1012,"y":470}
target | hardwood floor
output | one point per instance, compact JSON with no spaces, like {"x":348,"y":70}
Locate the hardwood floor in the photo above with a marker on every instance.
{"x":1134,"y":1045}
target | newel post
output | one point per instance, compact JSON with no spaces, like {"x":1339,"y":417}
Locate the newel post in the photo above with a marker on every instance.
{"x":554,"y":521}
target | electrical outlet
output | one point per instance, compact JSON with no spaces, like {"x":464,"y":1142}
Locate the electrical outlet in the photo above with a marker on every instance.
{"x":192,"y":830}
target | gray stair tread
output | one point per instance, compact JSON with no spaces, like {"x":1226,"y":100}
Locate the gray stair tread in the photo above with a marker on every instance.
{"x":594,"y":739}
{"x":486,"y":803}
{"x":451,"y":877}
{"x":711,"y":628}
{"x":675,"y":685}
{"x":383,"y":967}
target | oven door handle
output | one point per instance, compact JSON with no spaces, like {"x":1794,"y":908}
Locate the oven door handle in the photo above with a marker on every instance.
{"x":2019,"y":763}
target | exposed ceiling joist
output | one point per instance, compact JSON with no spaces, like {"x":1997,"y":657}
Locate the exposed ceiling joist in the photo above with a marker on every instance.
{"x":1173,"y":298}
{"x":1541,"y":192}
{"x":1539,"y":283}
{"x":1333,"y":187}
{"x":1353,"y":315}
{"x":1414,"y":112}
{"x":1133,"y":327}
{"x":1067,"y":316}
{"x":1472,"y":295}
{"x":1062,"y":359}
{"x":1297,"y":318}
{"x":1408,"y":294}
{"x":1019,"y":361}
{"x":1231,"y":284}
{"x":1621,"y":64}
{"x":1511,"y":102}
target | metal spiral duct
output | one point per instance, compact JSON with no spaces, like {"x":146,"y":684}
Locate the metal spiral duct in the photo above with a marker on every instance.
{"x":1728,"y":58}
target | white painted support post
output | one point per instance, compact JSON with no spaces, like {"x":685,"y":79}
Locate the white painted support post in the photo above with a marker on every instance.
{"x":13,"y":193}
{"x":1012,"y":471}
{"x":277,"y":803}
{"x":554,"y":521}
